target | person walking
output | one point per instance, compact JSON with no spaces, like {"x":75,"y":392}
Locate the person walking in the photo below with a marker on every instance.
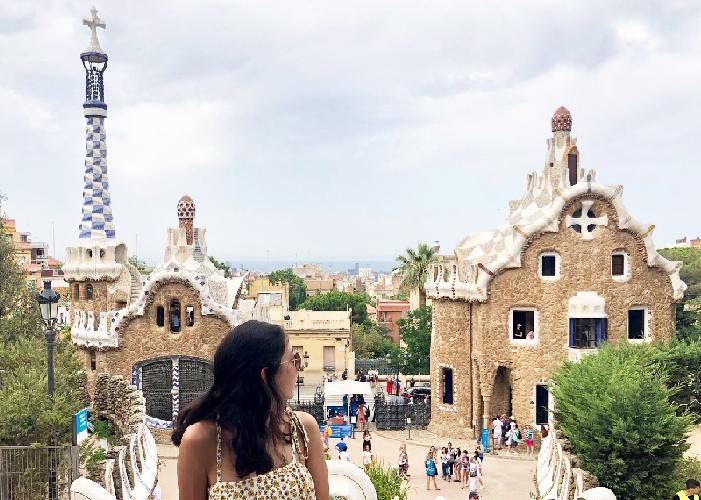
{"x":366,"y":439}
{"x":367,"y":457}
{"x":473,"y":471}
{"x":431,"y":468}
{"x":496,"y":429}
{"x":529,"y":439}
{"x":515,"y":438}
{"x":464,"y":469}
{"x":458,"y":465}
{"x":693,"y":488}
{"x":444,"y":463}
{"x":240,"y":439}
{"x":362,"y":422}
{"x":451,"y":460}
{"x":403,"y":462}
{"x":344,"y":375}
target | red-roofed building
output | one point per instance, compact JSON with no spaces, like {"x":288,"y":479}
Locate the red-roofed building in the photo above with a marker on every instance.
{"x":389,"y":312}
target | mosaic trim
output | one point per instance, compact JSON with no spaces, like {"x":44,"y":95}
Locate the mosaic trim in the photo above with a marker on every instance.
{"x":539,"y":211}
{"x":97,"y":210}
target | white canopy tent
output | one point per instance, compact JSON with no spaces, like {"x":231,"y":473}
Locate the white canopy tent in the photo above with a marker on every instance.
{"x":343,"y":387}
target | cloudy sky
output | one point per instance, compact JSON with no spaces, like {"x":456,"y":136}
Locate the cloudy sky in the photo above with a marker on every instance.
{"x":345,"y":130}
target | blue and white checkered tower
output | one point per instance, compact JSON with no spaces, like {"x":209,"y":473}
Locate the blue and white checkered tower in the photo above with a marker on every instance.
{"x":97,"y":220}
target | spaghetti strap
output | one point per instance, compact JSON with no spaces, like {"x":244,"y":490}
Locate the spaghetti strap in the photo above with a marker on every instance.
{"x":218,"y":452}
{"x":295,"y":428}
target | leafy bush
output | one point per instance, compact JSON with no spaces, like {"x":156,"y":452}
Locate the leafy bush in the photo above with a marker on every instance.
{"x":682,"y":363}
{"x":387,"y":482}
{"x":616,"y":411}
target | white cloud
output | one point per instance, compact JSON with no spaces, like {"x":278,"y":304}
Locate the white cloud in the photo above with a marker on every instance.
{"x":316,"y":127}
{"x":150,"y":140}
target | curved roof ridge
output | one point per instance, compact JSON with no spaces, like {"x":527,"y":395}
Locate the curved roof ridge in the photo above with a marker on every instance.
{"x":488,"y":253}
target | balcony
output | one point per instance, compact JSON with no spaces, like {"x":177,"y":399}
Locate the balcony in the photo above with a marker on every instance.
{"x":457,"y":280}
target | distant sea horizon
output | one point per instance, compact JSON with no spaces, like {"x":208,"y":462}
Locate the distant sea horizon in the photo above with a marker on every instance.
{"x":333,"y":266}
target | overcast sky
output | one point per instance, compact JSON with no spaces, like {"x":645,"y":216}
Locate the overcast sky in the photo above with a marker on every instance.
{"x":336,"y":130}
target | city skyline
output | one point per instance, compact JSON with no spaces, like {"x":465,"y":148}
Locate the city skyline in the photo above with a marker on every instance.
{"x":334,"y":133}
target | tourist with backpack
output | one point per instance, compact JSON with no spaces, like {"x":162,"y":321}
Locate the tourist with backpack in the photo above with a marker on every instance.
{"x":431,"y":468}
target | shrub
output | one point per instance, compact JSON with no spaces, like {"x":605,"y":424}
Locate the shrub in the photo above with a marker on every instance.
{"x":387,"y":482}
{"x":616,"y":411}
{"x":682,"y":363}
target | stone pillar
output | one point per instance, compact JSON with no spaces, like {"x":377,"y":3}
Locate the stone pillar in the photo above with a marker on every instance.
{"x":486,"y":398}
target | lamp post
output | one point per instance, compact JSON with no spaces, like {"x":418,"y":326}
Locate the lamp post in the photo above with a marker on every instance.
{"x":301,"y":368}
{"x":48,"y":305}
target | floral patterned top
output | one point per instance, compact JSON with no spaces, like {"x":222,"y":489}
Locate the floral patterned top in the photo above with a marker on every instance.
{"x":289,"y":482}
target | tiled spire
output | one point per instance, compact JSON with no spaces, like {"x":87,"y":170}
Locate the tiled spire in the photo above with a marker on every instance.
{"x":97,"y":210}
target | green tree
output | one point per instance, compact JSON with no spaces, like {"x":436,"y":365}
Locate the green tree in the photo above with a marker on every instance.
{"x":297,"y":288}
{"x":616,"y":411}
{"x":19,"y":312}
{"x":340,"y":301}
{"x":682,"y":363}
{"x":415,"y":332}
{"x":139,"y":264}
{"x":371,"y":341}
{"x":222,"y":266}
{"x":26,"y":414}
{"x":688,"y":309}
{"x":413,"y":268}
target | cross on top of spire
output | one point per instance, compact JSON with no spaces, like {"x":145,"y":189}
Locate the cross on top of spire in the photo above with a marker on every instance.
{"x":94,"y":23}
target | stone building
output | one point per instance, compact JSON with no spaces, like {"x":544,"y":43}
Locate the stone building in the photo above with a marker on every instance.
{"x":569,"y":270}
{"x":159,"y":332}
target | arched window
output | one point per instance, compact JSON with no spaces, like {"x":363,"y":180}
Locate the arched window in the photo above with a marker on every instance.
{"x":190,"y":316}
{"x":174,"y":316}
{"x":160,"y":316}
{"x":76,"y":292}
{"x":88,"y":291}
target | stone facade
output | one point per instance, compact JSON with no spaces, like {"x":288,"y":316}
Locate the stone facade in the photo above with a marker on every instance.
{"x":141,"y":338}
{"x":515,"y":304}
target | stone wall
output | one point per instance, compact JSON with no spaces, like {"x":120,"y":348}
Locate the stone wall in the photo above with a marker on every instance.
{"x":450,"y":348}
{"x":585,"y":266}
{"x":142,"y":339}
{"x":118,"y":402}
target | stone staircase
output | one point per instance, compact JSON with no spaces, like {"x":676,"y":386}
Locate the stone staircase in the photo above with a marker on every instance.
{"x":136,"y":284}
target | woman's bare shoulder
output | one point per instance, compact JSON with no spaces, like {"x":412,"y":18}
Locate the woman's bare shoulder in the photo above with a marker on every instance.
{"x":307,"y":421}
{"x":201,"y":434}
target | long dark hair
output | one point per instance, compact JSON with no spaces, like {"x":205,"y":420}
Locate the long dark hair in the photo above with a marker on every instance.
{"x":245,"y":404}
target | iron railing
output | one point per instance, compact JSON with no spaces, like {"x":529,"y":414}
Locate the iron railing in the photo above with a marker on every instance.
{"x":379,"y":364}
{"x":393,"y":416}
{"x":31,"y":473}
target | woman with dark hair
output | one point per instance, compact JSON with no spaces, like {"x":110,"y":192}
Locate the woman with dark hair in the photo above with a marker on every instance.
{"x":240,"y":440}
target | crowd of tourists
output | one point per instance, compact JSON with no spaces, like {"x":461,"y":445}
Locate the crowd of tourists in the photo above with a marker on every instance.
{"x":507,"y":434}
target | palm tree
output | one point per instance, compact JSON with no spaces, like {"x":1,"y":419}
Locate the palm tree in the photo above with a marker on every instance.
{"x":413,"y":268}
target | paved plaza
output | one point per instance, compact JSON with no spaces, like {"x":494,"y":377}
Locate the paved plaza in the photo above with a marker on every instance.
{"x":505,"y":476}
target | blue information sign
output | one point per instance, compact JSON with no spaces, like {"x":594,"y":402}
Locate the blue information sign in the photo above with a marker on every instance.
{"x":339,"y":431}
{"x":485,"y":440}
{"x":81,"y":425}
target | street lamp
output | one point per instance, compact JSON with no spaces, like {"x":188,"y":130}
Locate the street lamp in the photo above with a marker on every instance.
{"x":301,"y":368}
{"x":48,"y":304}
